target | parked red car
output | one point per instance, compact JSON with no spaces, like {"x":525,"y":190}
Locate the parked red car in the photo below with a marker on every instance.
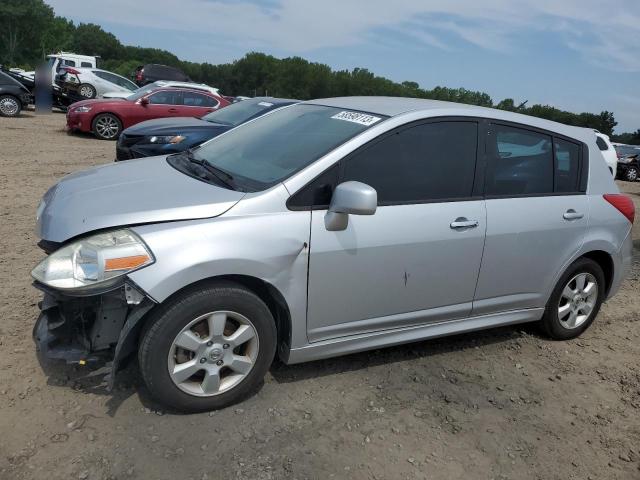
{"x":106,"y":118}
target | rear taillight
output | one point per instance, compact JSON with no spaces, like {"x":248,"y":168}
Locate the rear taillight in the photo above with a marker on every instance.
{"x":72,"y":71}
{"x":623,"y":204}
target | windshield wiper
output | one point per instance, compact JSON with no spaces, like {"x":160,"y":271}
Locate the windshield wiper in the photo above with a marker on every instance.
{"x":224,"y":177}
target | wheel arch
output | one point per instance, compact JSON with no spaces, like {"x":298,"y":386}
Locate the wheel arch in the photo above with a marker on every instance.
{"x":605,"y":261}
{"x":267,"y":292}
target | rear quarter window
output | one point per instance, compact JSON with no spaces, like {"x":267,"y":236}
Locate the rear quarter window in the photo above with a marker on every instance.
{"x":602,"y":145}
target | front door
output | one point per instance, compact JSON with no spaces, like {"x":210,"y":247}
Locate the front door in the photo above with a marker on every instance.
{"x":537,"y":217}
{"x":416,"y":260}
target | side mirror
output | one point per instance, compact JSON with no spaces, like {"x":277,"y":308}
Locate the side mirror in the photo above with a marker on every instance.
{"x":353,"y":198}
{"x":144,"y":101}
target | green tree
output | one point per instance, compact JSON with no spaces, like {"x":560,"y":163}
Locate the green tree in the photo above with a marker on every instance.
{"x":24,"y":23}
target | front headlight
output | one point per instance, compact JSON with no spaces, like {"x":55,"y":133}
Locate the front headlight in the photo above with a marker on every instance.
{"x":164,"y":139}
{"x":94,"y":262}
{"x":82,"y":109}
{"x":625,"y":160}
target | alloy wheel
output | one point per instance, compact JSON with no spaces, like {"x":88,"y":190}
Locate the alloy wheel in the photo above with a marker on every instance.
{"x":107,"y":127}
{"x":632,"y":174}
{"x":577,"y":301}
{"x":213,"y":353}
{"x":9,"y":106}
{"x":87,"y":91}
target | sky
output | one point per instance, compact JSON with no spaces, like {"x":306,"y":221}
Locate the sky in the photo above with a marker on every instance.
{"x":577,"y":55}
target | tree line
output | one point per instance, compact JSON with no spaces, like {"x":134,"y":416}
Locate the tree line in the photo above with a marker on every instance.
{"x":32,"y":30}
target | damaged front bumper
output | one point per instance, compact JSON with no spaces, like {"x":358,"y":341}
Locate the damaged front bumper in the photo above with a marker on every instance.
{"x":90,"y":329}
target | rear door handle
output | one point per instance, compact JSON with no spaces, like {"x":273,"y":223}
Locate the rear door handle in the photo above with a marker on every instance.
{"x":571,"y":214}
{"x":173,"y":110}
{"x":462,"y":222}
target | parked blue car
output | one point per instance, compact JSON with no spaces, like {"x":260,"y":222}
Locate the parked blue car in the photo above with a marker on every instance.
{"x":164,"y":136}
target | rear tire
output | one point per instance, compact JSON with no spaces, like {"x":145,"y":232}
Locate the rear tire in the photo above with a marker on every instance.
{"x":631,"y":174}
{"x":106,"y":126}
{"x":86,"y":90}
{"x":575,"y":301}
{"x":207,"y":348}
{"x":10,"y":106}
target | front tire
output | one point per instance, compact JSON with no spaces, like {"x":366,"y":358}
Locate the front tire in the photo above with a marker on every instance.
{"x":107,"y":126}
{"x":207,"y":348}
{"x":575,"y":301}
{"x":87,"y":91}
{"x":10,"y":106}
{"x":631,"y":174}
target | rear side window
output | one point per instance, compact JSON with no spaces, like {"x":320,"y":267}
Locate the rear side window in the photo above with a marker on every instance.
{"x":86,"y":64}
{"x":602,"y":145}
{"x":567,"y":167}
{"x":432,"y":161}
{"x":165,"y":97}
{"x":520,"y":162}
{"x":192,"y":99}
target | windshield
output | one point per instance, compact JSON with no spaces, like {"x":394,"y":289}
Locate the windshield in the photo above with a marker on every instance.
{"x":240,"y":112}
{"x":271,"y":148}
{"x":141,"y":92}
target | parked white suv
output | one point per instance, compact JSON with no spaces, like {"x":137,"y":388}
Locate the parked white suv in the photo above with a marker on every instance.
{"x":608,"y":152}
{"x":164,"y":83}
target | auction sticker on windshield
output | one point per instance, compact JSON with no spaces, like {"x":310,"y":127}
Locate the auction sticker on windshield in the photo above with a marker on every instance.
{"x":357,"y":117}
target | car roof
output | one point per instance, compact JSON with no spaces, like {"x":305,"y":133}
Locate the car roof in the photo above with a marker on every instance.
{"x":395,"y":106}
{"x":179,"y":88}
{"x":273,"y":100}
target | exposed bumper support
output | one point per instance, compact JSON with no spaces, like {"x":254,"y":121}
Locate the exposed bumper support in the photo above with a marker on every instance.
{"x":88,"y":330}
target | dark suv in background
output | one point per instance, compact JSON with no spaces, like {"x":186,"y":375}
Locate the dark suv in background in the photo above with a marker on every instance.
{"x":153,"y":72}
{"x":628,"y":164}
{"x":13,"y":96}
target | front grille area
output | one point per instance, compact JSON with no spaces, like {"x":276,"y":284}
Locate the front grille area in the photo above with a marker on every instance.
{"x":129,"y":140}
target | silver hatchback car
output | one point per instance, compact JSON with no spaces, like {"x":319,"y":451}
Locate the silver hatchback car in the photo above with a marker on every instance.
{"x":325,"y":228}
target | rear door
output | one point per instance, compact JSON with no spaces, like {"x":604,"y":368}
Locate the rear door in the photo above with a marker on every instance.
{"x":537,"y":216}
{"x":196,"y":104}
{"x":416,"y":260}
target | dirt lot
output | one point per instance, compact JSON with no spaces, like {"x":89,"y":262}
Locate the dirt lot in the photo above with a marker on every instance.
{"x":506,"y":403}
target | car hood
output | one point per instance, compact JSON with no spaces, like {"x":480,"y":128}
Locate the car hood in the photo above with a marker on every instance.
{"x":172,"y":125}
{"x":127,"y":193}
{"x":97,"y":101}
{"x":117,"y":94}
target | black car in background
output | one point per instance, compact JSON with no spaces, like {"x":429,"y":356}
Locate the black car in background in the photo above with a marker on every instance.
{"x":628,"y":162}
{"x":14,"y":96}
{"x":164,"y":136}
{"x":152,"y":72}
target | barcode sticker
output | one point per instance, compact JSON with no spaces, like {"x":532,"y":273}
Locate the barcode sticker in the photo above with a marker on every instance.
{"x":357,"y":117}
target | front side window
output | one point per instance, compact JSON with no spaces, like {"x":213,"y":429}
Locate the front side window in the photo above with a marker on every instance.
{"x":432,"y":161}
{"x":266,"y":151}
{"x":164,"y":97}
{"x":520,"y":162}
{"x":86,"y":64}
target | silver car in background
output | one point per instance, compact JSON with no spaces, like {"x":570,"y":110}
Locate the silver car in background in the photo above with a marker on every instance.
{"x":325,"y":228}
{"x":93,"y":82}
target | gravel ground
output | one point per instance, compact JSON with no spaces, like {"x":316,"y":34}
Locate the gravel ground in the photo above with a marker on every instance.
{"x":505,"y":403}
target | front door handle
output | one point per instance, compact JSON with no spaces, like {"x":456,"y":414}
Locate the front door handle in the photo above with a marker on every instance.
{"x":571,"y":214}
{"x":173,"y":110}
{"x":462,"y":222}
